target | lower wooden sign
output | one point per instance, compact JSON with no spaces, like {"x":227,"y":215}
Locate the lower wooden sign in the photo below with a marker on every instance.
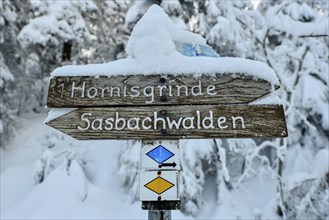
{"x":174,"y":122}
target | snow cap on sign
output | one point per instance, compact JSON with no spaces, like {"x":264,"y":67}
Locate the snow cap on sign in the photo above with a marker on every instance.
{"x":160,"y":37}
{"x":154,"y":46}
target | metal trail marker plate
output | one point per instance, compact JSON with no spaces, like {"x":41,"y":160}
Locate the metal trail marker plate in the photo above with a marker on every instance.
{"x":174,"y":122}
{"x":141,"y":90}
{"x":159,"y":185}
{"x":160,"y":155}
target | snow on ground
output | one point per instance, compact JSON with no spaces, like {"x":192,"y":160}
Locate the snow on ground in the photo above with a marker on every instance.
{"x":61,"y":196}
{"x":58,"y":196}
{"x":67,"y":194}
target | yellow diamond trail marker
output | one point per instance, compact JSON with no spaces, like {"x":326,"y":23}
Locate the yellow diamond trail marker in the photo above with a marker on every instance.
{"x":159,"y":185}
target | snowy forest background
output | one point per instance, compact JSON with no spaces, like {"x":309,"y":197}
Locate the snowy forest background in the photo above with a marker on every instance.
{"x":45,"y":174}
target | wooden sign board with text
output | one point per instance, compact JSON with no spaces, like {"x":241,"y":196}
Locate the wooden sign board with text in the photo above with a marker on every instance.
{"x":148,"y":90}
{"x":174,"y":122}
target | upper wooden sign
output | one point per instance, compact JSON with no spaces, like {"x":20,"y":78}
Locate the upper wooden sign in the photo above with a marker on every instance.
{"x":142,"y":90}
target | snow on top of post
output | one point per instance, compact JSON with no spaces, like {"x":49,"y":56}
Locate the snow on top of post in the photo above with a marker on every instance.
{"x":151,"y":50}
{"x":155,"y":34}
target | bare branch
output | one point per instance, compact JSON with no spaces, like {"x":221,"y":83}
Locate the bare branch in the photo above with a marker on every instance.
{"x":314,"y":35}
{"x":300,"y":65}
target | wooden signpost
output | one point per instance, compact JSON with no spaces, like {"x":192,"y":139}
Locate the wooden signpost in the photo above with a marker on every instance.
{"x":165,"y":106}
{"x":161,"y":109}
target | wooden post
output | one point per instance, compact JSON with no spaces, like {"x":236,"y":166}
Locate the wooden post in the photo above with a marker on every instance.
{"x":280,"y":206}
{"x":159,"y":215}
{"x":279,"y":209}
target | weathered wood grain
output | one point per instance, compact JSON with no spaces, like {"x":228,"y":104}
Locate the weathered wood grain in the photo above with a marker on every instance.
{"x":259,"y":121}
{"x":216,"y":89}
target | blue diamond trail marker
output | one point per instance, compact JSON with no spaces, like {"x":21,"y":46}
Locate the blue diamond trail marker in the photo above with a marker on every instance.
{"x":160,"y":154}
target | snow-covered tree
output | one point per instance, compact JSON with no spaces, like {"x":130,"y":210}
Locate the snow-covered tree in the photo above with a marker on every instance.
{"x":226,"y":32}
{"x":13,"y":80}
{"x":292,"y":38}
{"x":7,"y":119}
{"x":295,"y":44}
{"x":81,"y":31}
{"x":38,"y":36}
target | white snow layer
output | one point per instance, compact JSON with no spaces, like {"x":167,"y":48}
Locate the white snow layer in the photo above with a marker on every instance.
{"x":281,"y":21}
{"x":155,"y":34}
{"x":57,"y":112}
{"x":320,"y":165}
{"x":151,"y":50}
